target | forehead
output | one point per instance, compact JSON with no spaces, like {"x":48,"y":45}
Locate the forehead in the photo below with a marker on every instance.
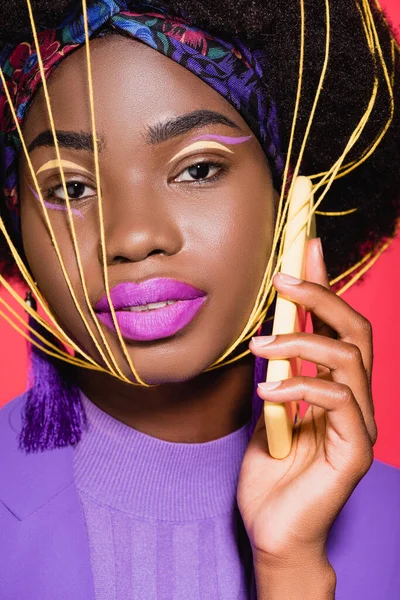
{"x":134,"y":86}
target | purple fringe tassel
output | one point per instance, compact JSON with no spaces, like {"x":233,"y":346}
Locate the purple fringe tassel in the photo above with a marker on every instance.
{"x":54,"y":416}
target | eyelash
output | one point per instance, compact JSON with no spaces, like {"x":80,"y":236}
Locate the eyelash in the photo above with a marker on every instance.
{"x":51,"y":196}
{"x":222,"y":169}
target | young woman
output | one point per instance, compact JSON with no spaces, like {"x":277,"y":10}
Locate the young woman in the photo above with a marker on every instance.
{"x":148,"y":474}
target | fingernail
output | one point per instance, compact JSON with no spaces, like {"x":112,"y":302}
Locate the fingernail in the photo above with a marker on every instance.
{"x":267,"y":386}
{"x":320,"y":247}
{"x":263,"y":340}
{"x":288,"y":279}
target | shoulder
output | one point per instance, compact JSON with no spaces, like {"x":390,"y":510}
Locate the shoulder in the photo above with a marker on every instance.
{"x":11,"y":408}
{"x":10,"y":426}
{"x":43,"y":539}
{"x":364,"y":542}
{"x":28,"y":481}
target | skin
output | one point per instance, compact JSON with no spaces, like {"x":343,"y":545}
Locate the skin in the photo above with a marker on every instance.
{"x":154,"y":228}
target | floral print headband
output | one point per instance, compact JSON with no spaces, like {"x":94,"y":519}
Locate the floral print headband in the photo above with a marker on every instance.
{"x":227,"y":67}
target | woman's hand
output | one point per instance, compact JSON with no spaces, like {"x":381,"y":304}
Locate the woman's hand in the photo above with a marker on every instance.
{"x":289,"y":505}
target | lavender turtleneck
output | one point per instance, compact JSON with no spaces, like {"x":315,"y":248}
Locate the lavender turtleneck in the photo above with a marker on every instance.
{"x":163,"y":522}
{"x":162,"y":518}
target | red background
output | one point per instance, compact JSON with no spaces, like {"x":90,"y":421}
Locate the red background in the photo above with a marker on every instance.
{"x":377,"y":297}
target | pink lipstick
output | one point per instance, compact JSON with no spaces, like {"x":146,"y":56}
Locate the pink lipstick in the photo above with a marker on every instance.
{"x":153,"y":309}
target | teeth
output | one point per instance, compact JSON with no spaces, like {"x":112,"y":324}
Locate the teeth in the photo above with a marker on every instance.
{"x":150,"y":306}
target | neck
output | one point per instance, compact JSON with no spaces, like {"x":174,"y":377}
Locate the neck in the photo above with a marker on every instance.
{"x":205,"y":408}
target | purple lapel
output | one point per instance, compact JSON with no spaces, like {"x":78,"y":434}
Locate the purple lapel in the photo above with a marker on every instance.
{"x":364,"y":541}
{"x":44,"y":552}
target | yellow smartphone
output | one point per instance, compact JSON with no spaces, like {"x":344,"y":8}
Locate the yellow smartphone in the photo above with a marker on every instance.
{"x":280,"y":418}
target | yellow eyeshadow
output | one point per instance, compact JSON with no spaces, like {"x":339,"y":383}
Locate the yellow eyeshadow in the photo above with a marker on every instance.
{"x":201,"y":146}
{"x":52,"y":164}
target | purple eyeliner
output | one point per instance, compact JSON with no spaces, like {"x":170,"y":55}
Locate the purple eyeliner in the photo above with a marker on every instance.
{"x":223,"y":138}
{"x":55,"y":206}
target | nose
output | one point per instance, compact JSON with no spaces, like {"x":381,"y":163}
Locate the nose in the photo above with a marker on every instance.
{"x":139,"y":224}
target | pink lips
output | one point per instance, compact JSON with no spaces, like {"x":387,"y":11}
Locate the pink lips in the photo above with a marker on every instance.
{"x":156,"y":323}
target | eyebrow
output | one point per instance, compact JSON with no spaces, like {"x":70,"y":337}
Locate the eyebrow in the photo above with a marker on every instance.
{"x":156,"y":134}
{"x":162,"y":132}
{"x":73,"y":140}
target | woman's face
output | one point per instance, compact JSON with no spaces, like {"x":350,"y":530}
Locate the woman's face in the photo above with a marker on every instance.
{"x":187,"y":196}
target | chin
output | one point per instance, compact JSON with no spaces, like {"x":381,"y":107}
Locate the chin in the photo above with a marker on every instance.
{"x":167,"y":360}
{"x":161,"y":377}
{"x":159,"y":372}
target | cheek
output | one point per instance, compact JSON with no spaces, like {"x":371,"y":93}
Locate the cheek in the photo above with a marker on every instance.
{"x":239,"y":232}
{"x":247,"y":248}
{"x":43,"y":260}
{"x":232,"y":243}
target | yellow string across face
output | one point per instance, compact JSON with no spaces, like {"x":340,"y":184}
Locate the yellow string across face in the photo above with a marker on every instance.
{"x":266,"y":292}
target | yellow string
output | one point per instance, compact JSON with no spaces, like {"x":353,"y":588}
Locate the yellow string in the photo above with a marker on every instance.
{"x":34,"y":315}
{"x":279,"y":229}
{"x":295,"y":114}
{"x":281,"y":213}
{"x":358,"y":131}
{"x":33,"y":341}
{"x":372,"y":39}
{"x":331,"y":174}
{"x":100,"y":203}
{"x":365,"y":258}
{"x":23,"y":270}
{"x":266,"y":292}
{"x":369,"y":151}
{"x":352,"y":141}
{"x":70,"y":218}
{"x":60,"y":353}
{"x":393,"y":48}
{"x":59,"y":333}
{"x":351,"y":269}
{"x":342,"y":213}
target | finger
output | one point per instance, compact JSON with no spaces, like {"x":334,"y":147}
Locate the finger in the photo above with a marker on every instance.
{"x":343,"y":360}
{"x":343,"y":413}
{"x":316,"y":273}
{"x":332,"y":310}
{"x":315,"y":265}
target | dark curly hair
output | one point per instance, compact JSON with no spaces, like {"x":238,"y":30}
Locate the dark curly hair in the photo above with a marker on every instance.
{"x":273,"y":27}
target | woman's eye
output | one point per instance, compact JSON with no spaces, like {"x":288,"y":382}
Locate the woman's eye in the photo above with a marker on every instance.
{"x":199,"y":172}
{"x":76,"y":190}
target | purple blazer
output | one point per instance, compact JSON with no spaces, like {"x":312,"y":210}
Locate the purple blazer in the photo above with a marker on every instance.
{"x":44,"y":551}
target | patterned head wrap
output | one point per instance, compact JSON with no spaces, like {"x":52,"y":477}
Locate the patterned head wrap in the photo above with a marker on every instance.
{"x":227,"y":67}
